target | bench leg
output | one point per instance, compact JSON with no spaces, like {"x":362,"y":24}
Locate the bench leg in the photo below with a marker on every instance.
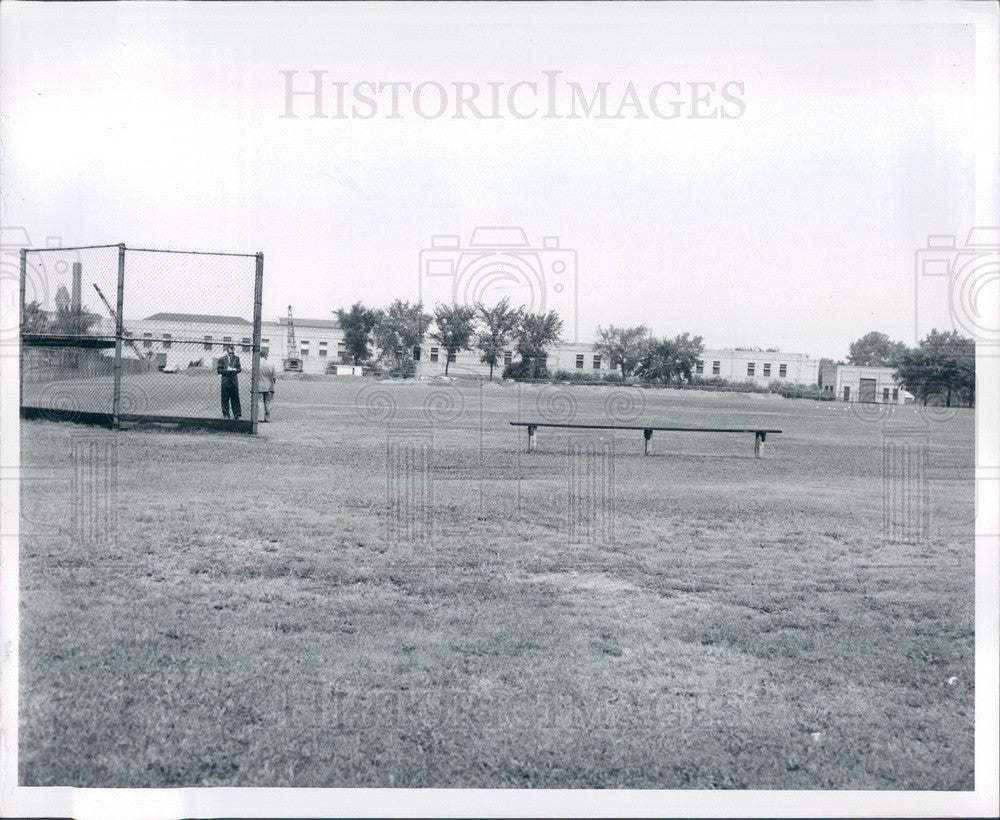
{"x":532,"y":439}
{"x":648,"y":436}
{"x":758,"y":443}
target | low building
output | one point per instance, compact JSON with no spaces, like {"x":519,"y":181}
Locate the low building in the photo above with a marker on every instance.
{"x":319,"y":343}
{"x":759,"y":366}
{"x":873,"y":385}
{"x":180,"y":340}
{"x":578,"y":357}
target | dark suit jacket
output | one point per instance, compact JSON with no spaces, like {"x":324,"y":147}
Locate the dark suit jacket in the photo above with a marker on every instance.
{"x":229,"y":361}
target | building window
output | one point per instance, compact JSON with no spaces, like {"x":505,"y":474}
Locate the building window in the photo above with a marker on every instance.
{"x":247,"y":345}
{"x":226,"y":340}
{"x":434,"y":354}
{"x":416,"y":354}
{"x":208,"y":343}
{"x":579,"y":361}
{"x":699,"y":366}
{"x":166,"y":341}
{"x":767,"y":369}
{"x":147,"y":339}
{"x":895,"y":394}
{"x":597,"y":362}
{"x":265,"y":341}
{"x":783,"y":370}
{"x":715,"y":368}
{"x":751,"y":366}
{"x":322,"y":351}
{"x":885,"y":395}
{"x":508,"y":357}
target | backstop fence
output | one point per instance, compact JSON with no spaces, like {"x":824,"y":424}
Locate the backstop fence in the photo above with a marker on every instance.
{"x":119,"y":336}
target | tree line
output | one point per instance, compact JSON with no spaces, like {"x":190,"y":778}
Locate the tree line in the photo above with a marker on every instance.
{"x":391,"y":337}
{"x":941,"y":366}
{"x":66,"y":321}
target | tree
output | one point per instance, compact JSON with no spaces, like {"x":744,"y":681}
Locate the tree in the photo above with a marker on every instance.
{"x":34,"y":319}
{"x":357,"y":324}
{"x":671,"y":360}
{"x":500,"y":322}
{"x":875,"y":350}
{"x":70,"y":321}
{"x":455,"y":326}
{"x":943,"y":365}
{"x":397,"y":331}
{"x":622,"y":346}
{"x":62,"y":297}
{"x":535,"y":332}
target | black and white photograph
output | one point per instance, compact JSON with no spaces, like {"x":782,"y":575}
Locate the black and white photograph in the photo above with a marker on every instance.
{"x":526,"y":409}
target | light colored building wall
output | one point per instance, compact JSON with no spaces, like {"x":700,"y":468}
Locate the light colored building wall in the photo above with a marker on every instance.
{"x":855,"y":383}
{"x":319,"y":344}
{"x":572,"y":357}
{"x":180,"y":343}
{"x":758,"y":366}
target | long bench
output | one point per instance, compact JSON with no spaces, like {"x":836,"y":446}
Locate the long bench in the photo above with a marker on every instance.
{"x":760,"y":433}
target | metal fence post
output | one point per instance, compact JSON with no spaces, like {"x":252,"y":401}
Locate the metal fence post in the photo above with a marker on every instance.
{"x":119,"y":334}
{"x":20,"y":325}
{"x":258,"y":289}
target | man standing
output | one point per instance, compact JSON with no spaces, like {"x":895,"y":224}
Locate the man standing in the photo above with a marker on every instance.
{"x":265,"y":386}
{"x":229,"y":366}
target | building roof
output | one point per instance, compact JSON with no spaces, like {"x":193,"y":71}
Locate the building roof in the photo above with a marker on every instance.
{"x":327,"y":323}
{"x":757,"y":352}
{"x":197,"y":318}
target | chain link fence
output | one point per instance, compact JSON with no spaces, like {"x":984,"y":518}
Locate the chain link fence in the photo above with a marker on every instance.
{"x":123,"y":336}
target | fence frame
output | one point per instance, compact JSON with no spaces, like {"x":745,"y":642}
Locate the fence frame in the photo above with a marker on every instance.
{"x":115,"y":418}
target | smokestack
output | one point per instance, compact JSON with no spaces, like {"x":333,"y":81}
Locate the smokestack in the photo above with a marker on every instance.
{"x":77,"y":278}
{"x":75,"y":296}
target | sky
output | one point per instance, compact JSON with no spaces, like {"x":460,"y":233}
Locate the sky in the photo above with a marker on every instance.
{"x":792,"y":222}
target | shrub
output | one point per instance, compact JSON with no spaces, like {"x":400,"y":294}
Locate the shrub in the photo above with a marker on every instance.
{"x":518,"y":371}
{"x":585,"y":376}
{"x":801,"y":391}
{"x":393,"y":369}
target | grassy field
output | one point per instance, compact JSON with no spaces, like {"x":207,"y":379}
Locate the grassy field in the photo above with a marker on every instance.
{"x":384,"y":589}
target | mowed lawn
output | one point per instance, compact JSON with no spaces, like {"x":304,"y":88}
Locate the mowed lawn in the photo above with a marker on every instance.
{"x":384,"y":589}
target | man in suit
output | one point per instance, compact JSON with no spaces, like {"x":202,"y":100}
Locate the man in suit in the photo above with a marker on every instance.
{"x":265,"y":385}
{"x":228,"y":367}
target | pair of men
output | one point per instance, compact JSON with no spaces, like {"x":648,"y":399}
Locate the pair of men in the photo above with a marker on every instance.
{"x":228,"y":367}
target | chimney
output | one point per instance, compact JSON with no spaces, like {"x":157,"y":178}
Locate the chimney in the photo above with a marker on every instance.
{"x":75,"y":296}
{"x":77,"y":278}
